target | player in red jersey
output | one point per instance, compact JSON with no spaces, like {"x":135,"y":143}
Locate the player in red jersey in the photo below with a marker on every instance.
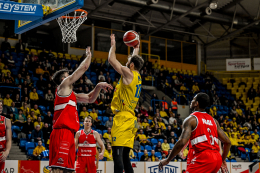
{"x":5,"y":138}
{"x":202,"y":131}
{"x":65,"y":120}
{"x":86,"y":142}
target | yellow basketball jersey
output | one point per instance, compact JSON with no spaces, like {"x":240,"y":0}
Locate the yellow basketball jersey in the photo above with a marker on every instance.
{"x":126,"y":96}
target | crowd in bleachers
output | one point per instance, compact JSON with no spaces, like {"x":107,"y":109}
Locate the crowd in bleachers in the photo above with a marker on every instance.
{"x":159,"y":126}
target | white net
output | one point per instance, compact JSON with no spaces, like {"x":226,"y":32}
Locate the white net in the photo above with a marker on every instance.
{"x":70,"y":24}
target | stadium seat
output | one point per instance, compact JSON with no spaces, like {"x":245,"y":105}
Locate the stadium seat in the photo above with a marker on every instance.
{"x":16,"y":128}
{"x":43,"y":108}
{"x":30,"y":152}
{"x":142,"y":148}
{"x":154,"y":141}
{"x":140,"y":155}
{"x":29,"y":145}
{"x":148,"y":147}
{"x":99,"y":131}
{"x":104,"y":131}
{"x":161,"y":140}
{"x":22,"y":142}
{"x":158,"y":154}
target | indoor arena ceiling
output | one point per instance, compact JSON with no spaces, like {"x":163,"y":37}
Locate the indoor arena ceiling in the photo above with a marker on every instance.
{"x":230,"y":19}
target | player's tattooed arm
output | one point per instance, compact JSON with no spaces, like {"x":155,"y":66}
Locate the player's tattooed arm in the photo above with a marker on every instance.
{"x":188,"y":125}
{"x":225,"y":140}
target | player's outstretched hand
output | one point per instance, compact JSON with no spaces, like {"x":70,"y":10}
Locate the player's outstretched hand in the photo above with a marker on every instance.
{"x":88,"y":51}
{"x":138,"y":45}
{"x":113,"y":40}
{"x":163,"y":163}
{"x":101,"y":156}
{"x":105,"y":86}
{"x":224,"y":168}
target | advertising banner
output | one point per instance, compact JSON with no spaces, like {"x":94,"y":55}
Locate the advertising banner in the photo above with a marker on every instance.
{"x":256,"y":63}
{"x":172,"y":167}
{"x":26,"y":166}
{"x":244,"y":167}
{"x":238,"y":64}
{"x":137,"y":166}
{"x":11,"y":166}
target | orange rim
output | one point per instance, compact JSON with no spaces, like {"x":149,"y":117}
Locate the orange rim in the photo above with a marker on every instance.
{"x":72,"y":17}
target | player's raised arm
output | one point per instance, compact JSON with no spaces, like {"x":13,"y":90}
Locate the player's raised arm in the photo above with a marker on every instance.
{"x":92,"y":96}
{"x":227,"y":144}
{"x":188,"y":125}
{"x":100,"y":143}
{"x":83,"y":67}
{"x":8,"y":141}
{"x":122,"y":70}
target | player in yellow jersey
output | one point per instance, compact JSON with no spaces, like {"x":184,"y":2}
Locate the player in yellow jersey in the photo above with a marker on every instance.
{"x":126,"y":96}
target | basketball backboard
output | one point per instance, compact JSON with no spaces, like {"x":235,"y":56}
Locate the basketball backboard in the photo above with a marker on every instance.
{"x":52,"y":10}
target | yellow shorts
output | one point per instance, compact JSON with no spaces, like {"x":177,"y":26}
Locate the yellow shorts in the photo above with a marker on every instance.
{"x":124,"y":129}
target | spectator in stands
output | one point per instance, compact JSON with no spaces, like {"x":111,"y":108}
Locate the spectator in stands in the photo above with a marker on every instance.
{"x":216,"y":100}
{"x":87,"y":81}
{"x":156,"y":132}
{"x":153,"y":157}
{"x":46,"y":131}
{"x":13,"y":108}
{"x":25,"y":108}
{"x":171,"y":136}
{"x":39,"y":122}
{"x":6,"y":70}
{"x":168,"y":131}
{"x":84,"y":113}
{"x":17,"y":101}
{"x":183,"y":88}
{"x":100,"y":76}
{"x":2,"y":65}
{"x":156,"y":103}
{"x":145,"y":123}
{"x":39,"y":71}
{"x":5,"y":46}
{"x":20,"y":47}
{"x":48,"y":118}
{"x":108,"y":154}
{"x":158,"y":147}
{"x":11,"y":62}
{"x":19,"y":80}
{"x":161,"y":124}
{"x":165,"y":147}
{"x":36,"y":111}
{"x":8,"y":101}
{"x":177,"y":83}
{"x":19,"y":118}
{"x":234,"y":144}
{"x":25,"y":93}
{"x":49,"y":98}
{"x":34,"y":96}
{"x":251,"y":94}
{"x":195,"y":88}
{"x":137,"y":147}
{"x":255,"y":150}
{"x":183,"y":99}
{"x":145,"y":156}
{"x":164,"y":114}
{"x":164,"y":103}
{"x":172,"y":119}
{"x":148,"y":132}
{"x":174,"y":105}
{"x":107,"y":136}
{"x":109,"y":122}
{"x":32,"y":116}
{"x":37,"y":134}
{"x":41,"y":84}
{"x":239,"y":111}
{"x":27,"y":129}
{"x":9,"y":78}
{"x":213,"y":111}
{"x":38,"y":150}
{"x":172,"y":143}
{"x":142,"y":138}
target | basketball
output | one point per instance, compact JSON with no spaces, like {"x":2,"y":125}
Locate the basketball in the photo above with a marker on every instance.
{"x":131,"y":38}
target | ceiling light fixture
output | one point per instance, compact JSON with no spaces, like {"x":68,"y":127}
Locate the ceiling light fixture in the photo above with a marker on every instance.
{"x":214,"y":4}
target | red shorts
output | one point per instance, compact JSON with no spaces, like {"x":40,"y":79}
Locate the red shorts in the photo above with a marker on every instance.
{"x":84,"y":162}
{"x":62,"y":152}
{"x":206,"y":162}
{"x":190,"y":156}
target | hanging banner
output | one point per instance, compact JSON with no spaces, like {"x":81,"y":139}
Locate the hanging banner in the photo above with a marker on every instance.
{"x":256,"y":63}
{"x":238,"y":64}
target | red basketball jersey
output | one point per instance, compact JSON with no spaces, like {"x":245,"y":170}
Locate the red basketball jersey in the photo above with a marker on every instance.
{"x":87,"y":144}
{"x":65,"y":112}
{"x":205,"y":135}
{"x":2,"y":133}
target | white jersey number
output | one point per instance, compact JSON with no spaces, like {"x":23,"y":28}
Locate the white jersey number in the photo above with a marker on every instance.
{"x":211,"y":137}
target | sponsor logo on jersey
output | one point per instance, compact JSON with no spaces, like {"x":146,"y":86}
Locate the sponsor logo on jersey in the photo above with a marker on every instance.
{"x":208,"y":122}
{"x":236,"y":167}
{"x":60,"y":161}
{"x":166,"y":169}
{"x":2,"y":122}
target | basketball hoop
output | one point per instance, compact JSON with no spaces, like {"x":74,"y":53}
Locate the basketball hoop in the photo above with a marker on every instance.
{"x":70,"y":24}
